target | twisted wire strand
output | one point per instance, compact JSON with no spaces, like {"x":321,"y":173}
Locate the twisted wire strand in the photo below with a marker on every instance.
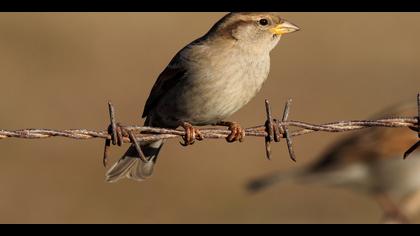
{"x":273,"y":131}
{"x":213,"y":133}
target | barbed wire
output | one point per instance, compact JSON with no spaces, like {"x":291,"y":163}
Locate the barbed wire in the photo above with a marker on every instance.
{"x":273,"y":131}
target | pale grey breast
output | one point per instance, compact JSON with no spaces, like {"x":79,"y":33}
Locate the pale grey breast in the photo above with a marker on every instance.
{"x":397,"y":176}
{"x":217,"y":84}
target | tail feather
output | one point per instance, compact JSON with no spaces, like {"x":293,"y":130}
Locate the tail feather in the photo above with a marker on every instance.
{"x":120,"y":169}
{"x":269,"y":180}
{"x":141,"y":170}
{"x":132,"y":167}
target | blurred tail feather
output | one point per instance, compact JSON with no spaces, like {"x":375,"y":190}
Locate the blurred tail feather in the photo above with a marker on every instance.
{"x":266,"y":181}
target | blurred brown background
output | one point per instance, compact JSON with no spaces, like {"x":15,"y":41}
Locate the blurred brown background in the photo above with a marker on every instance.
{"x":58,"y":70}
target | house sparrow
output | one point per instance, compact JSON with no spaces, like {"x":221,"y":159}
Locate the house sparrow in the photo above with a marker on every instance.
{"x":369,"y":161}
{"x":206,"y":82}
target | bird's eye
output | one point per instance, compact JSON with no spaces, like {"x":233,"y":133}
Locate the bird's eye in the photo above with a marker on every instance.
{"x":263,"y":22}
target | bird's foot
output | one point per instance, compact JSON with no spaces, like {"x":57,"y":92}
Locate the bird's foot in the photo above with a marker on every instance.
{"x":392,"y":212}
{"x":237,"y":132}
{"x":395,"y":217}
{"x":191,"y":134}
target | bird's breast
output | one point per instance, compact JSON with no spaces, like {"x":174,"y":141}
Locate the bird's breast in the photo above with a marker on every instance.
{"x":218,"y":88}
{"x":217,"y":83}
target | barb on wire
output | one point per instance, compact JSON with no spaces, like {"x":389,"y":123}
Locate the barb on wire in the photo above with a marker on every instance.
{"x":416,"y":145}
{"x":285,"y":130}
{"x":269,"y":129}
{"x":273,"y":131}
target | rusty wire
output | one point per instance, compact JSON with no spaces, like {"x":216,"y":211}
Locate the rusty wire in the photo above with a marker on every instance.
{"x":273,"y":131}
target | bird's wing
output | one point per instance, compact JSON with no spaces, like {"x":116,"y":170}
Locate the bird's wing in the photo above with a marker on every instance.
{"x":172,"y":74}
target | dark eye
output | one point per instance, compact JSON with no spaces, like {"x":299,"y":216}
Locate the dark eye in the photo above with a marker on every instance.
{"x":263,"y":22}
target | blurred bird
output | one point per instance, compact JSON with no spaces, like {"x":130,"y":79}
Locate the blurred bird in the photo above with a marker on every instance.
{"x":368,"y":161}
{"x":206,"y":82}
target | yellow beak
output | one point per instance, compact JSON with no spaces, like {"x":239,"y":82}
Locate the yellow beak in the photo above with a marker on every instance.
{"x":284,"y":28}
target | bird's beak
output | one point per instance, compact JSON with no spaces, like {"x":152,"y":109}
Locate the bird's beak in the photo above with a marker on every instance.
{"x":284,"y":28}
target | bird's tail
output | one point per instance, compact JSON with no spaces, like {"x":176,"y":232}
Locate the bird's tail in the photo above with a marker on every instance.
{"x":131,"y":166}
{"x":261,"y":183}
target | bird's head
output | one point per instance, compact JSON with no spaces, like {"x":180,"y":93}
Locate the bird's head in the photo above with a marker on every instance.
{"x":253,"y":29}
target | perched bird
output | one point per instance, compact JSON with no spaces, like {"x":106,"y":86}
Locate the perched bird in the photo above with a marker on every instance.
{"x":368,"y":161}
{"x":206,"y":82}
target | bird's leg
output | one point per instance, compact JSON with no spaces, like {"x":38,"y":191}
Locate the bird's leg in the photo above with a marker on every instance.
{"x":392,"y":213}
{"x":191,"y":134}
{"x":237,"y":132}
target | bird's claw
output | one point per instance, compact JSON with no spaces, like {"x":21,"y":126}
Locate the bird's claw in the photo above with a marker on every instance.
{"x":395,"y":218}
{"x":237,"y":132}
{"x":191,"y":134}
